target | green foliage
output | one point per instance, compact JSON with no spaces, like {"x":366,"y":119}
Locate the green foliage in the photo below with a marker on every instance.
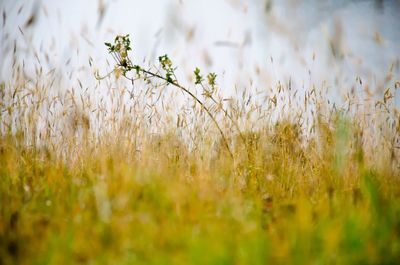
{"x":121,"y":43}
{"x":120,"y":49}
{"x":199,"y":78}
{"x":166,"y":64}
{"x":211,"y":79}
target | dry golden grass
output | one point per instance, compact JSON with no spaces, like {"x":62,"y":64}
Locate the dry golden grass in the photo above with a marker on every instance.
{"x":116,"y":177}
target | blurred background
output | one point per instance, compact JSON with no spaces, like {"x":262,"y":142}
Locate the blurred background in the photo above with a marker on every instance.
{"x":249,"y":44}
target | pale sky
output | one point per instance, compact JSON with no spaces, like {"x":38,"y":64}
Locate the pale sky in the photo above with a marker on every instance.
{"x":234,"y":38}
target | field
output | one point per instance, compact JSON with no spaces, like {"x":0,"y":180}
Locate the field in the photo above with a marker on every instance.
{"x":124,"y":176}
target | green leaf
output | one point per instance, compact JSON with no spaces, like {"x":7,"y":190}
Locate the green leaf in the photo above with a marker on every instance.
{"x":198,"y":77}
{"x":211,"y":79}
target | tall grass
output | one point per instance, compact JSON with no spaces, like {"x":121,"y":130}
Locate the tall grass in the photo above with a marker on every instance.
{"x":129,"y":176}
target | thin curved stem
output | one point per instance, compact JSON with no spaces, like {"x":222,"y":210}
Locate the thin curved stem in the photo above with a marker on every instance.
{"x":198,"y":101}
{"x":232,"y":120}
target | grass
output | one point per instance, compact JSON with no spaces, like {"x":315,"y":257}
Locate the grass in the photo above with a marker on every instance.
{"x":111,"y":178}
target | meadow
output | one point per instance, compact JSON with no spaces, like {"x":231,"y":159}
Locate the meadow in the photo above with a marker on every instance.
{"x":126,"y":177}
